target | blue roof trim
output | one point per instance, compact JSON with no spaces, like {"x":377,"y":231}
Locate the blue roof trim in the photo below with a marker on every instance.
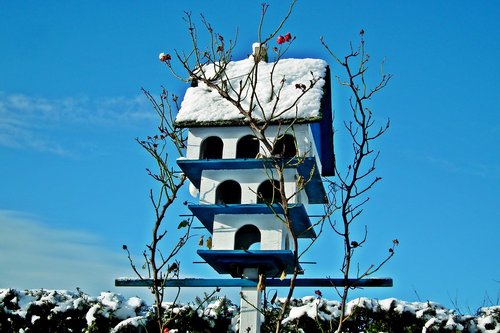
{"x":314,"y":188}
{"x":301,"y":223}
{"x":270,"y":262}
{"x":323,"y":131}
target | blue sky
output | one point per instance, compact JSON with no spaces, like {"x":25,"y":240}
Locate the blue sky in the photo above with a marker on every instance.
{"x":73,"y":181}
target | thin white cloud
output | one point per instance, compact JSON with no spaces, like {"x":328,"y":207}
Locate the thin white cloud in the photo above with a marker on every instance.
{"x":470,"y":168}
{"x":33,"y":255}
{"x":16,"y":134}
{"x":30,"y":122}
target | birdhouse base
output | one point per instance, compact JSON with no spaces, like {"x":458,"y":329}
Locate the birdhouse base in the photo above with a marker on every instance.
{"x":271,"y":263}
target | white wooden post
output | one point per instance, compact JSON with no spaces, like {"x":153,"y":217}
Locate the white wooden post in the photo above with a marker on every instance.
{"x":251,"y":297}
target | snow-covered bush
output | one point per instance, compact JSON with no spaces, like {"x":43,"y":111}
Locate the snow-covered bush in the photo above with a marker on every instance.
{"x":215,"y":316}
{"x":315,"y":314}
{"x":66,"y":311}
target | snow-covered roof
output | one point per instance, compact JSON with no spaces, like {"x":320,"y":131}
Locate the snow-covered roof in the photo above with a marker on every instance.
{"x":203,"y":106}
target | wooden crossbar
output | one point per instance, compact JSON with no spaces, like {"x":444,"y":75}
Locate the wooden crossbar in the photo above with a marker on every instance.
{"x":303,"y":282}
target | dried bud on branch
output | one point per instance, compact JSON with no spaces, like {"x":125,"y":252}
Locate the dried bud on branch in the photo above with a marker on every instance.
{"x":283,"y":39}
{"x":164,"y":57}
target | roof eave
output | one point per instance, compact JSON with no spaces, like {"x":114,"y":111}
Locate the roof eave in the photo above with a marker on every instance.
{"x":243,"y":122}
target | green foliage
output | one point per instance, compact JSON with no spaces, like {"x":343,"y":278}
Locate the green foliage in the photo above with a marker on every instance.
{"x":383,"y":321}
{"x":183,"y":224}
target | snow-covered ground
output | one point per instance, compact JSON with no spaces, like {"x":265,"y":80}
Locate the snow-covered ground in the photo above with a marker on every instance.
{"x":32,"y":310}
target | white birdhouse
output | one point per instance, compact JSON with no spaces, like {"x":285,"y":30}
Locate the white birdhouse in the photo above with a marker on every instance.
{"x":238,"y":200}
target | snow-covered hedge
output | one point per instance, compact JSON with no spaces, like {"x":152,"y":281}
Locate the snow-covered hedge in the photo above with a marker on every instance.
{"x":315,"y":314}
{"x":66,"y":311}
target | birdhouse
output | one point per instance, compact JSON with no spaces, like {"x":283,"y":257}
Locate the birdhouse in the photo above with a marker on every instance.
{"x":247,"y":122}
{"x":232,"y":170}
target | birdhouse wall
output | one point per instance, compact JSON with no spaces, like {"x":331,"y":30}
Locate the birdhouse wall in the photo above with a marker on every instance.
{"x":273,"y":232}
{"x":314,"y":150}
{"x":232,"y":134}
{"x":249,"y":181}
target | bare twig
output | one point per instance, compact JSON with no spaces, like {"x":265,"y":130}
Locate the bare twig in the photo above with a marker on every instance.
{"x":351,"y":185}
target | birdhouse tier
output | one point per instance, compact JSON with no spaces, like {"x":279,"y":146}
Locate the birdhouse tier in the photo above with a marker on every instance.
{"x":269,"y":263}
{"x":300,"y":222}
{"x":306,"y":168}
